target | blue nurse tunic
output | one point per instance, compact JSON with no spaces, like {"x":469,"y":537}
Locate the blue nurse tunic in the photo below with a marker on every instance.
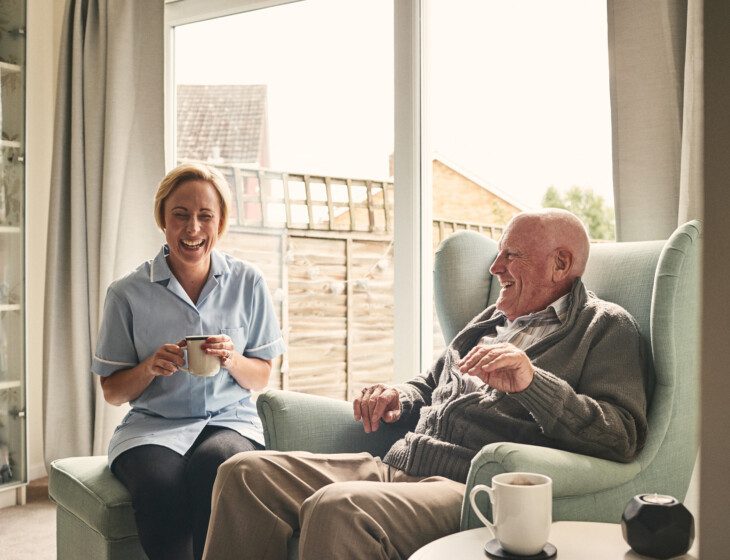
{"x":149,"y":308}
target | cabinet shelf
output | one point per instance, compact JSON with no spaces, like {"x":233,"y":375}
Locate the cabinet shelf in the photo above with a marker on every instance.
{"x":5,"y":385}
{"x":13,"y":250}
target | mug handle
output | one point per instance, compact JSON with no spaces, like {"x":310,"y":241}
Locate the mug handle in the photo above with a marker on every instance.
{"x":183,"y":368}
{"x":472,"y":498}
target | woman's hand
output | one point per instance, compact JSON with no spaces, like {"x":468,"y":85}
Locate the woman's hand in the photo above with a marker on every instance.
{"x":125,"y":385}
{"x":166,"y":360}
{"x":249,"y":373}
{"x":222,"y":346}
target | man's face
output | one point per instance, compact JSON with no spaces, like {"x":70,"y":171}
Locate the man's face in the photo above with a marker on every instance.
{"x":524,"y":269}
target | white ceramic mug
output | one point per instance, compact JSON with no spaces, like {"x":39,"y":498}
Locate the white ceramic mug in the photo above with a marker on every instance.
{"x":198,"y":362}
{"x":522,"y":511}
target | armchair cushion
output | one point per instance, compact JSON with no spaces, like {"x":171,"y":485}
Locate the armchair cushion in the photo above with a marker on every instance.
{"x":94,"y":516}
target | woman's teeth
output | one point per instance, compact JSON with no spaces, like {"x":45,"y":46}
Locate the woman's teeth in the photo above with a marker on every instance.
{"x":193,"y":245}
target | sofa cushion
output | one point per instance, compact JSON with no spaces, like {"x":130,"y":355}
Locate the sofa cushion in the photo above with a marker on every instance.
{"x":85,"y":487}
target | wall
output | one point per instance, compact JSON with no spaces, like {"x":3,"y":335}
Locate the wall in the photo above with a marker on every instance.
{"x":715,"y":419}
{"x":43,"y":33}
{"x":457,"y":198}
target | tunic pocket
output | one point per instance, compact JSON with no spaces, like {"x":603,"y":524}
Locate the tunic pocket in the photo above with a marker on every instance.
{"x":238,"y":336}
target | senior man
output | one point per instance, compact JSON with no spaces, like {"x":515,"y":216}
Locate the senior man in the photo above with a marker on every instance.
{"x":549,"y":364}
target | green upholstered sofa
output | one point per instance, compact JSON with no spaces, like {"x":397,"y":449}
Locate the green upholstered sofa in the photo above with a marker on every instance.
{"x":656,"y":281}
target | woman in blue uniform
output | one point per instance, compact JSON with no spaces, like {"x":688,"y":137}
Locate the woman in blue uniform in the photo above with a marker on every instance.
{"x":181,"y":427}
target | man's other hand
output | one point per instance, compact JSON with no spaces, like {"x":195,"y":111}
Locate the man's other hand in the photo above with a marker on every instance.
{"x":502,"y":366}
{"x":375,"y":403}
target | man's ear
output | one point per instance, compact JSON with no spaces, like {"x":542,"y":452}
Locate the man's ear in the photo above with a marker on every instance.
{"x":563,"y":263}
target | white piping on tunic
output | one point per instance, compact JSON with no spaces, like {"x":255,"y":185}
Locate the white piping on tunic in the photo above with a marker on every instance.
{"x":114,"y":363}
{"x":264,"y":346}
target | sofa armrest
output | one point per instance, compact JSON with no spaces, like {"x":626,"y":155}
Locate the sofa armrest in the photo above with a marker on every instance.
{"x":300,"y":422}
{"x":572,"y":474}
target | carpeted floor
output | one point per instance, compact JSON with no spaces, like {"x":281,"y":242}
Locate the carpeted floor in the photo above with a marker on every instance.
{"x":29,"y":532}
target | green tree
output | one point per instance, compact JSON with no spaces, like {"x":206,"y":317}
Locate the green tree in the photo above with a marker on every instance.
{"x":588,"y":206}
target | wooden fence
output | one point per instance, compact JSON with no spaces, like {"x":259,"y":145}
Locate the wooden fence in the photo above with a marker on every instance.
{"x":329,"y":269}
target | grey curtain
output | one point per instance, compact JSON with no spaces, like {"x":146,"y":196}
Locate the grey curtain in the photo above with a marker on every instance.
{"x":107,"y":158}
{"x":655,"y":58}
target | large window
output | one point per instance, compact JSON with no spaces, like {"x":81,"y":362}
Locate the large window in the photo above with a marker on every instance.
{"x":518,"y":115}
{"x":294,"y":104}
{"x":486,"y":107}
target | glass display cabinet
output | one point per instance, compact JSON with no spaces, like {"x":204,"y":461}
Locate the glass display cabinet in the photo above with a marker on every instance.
{"x":13,"y":444}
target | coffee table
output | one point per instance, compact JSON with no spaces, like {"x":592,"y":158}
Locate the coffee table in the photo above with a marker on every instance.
{"x":575,"y":540}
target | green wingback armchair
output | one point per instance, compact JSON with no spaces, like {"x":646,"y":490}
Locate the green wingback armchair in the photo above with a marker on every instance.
{"x":656,"y":281}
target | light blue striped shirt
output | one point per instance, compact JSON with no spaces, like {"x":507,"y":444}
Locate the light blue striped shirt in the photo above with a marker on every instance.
{"x":524,"y":331}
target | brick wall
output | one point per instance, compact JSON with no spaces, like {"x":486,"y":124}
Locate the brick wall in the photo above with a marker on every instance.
{"x":457,"y":198}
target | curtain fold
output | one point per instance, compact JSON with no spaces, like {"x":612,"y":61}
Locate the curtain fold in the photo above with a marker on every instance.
{"x":107,"y":159}
{"x":655,"y":61}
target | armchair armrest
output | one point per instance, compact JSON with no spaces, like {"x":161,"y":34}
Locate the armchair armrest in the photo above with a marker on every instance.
{"x":572,"y":474}
{"x":300,"y":422}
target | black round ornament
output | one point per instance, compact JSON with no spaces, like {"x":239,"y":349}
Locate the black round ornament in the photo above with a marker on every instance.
{"x":658,"y":526}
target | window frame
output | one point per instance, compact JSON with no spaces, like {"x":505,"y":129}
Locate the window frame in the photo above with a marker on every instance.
{"x":413,"y":287}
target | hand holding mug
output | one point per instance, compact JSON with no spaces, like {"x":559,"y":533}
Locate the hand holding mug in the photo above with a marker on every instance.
{"x":221,"y":346}
{"x":207,"y":353}
{"x":166,"y":360}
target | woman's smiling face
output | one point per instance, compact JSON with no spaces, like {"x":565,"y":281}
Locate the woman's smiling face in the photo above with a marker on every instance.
{"x":192,"y":223}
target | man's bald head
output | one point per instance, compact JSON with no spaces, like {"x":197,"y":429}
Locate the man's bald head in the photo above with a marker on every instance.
{"x":556,"y":228}
{"x":541,"y":254}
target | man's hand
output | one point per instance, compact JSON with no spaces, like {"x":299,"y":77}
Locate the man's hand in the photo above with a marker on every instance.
{"x":502,"y":366}
{"x":375,"y":403}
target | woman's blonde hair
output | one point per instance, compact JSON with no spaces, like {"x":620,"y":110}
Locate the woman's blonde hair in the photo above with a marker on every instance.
{"x":193,"y":172}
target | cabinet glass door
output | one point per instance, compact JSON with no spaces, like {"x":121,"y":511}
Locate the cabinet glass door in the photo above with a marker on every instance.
{"x":13,"y":466}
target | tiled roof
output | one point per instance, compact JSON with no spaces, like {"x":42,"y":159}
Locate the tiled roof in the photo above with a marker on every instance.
{"x":231,"y":118}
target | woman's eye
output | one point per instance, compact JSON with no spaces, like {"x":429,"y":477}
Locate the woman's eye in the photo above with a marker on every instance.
{"x":180,"y":216}
{"x":206,"y":218}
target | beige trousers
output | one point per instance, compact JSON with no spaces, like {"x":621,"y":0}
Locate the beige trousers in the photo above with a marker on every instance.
{"x":345,"y":506}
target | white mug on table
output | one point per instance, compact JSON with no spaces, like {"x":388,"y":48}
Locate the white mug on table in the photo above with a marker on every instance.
{"x":522,"y":511}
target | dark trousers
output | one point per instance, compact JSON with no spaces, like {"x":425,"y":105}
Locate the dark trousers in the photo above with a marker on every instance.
{"x":171,"y":493}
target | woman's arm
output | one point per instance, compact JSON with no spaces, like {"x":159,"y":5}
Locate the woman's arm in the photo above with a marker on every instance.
{"x":249,"y":373}
{"x":125,"y":385}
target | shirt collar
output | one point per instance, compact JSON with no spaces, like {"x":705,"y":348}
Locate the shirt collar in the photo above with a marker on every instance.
{"x":160,"y":271}
{"x":558,"y":308}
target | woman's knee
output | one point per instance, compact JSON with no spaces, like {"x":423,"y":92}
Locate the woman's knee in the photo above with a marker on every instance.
{"x":203,"y":463}
{"x":152,"y":476}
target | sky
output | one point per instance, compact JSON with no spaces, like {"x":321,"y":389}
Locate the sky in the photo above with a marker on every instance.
{"x":517,"y":92}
